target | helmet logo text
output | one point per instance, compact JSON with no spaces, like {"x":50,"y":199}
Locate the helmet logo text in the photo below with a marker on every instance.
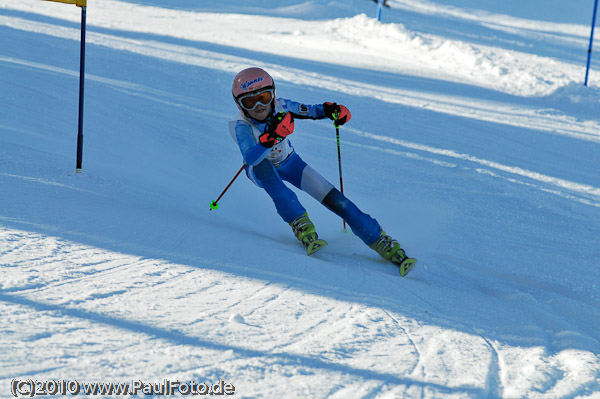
{"x":247,"y":84}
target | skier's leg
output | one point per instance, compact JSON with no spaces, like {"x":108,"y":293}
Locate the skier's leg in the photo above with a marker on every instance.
{"x":286,"y":202}
{"x":362,"y":224}
{"x":291,"y":170}
{"x":367,"y":228}
{"x":301,"y":175}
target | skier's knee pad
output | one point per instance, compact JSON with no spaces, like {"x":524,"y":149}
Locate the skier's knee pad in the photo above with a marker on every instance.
{"x":336,"y":202}
{"x":362,"y":224}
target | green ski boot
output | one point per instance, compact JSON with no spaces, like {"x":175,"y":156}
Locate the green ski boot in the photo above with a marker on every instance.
{"x":389,"y":249}
{"x":305,"y":232}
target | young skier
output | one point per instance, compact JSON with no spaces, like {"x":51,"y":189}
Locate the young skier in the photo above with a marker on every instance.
{"x":261,"y":130}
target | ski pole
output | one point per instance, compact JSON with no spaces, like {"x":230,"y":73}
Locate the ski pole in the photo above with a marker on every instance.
{"x":337,"y":135}
{"x":589,"y":58}
{"x":215,"y":204}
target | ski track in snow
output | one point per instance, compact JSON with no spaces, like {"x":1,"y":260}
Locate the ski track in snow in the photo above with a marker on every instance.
{"x":338,"y":325}
{"x":88,"y":286}
{"x":72,"y":280}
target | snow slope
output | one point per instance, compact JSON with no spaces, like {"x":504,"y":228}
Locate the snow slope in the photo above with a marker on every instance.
{"x":473,"y":142}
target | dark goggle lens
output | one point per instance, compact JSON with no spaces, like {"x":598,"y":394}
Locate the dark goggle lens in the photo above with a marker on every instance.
{"x":250,"y":102}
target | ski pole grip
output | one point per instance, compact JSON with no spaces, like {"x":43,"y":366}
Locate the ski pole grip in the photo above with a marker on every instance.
{"x":336,"y":115}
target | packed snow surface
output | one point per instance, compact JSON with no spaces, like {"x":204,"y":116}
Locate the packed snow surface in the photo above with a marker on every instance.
{"x":473,"y":141}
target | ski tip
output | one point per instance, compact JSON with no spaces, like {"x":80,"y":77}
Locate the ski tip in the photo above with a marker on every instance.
{"x":406,"y":265}
{"x":315,"y":246}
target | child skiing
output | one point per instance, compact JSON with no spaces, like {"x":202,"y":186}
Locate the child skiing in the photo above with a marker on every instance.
{"x":261,"y":130}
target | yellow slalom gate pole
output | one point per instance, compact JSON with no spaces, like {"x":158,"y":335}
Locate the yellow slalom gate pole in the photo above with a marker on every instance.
{"x":78,"y":3}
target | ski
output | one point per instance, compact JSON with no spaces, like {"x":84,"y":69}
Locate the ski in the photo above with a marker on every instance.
{"x":406,"y":265}
{"x":314,"y":246}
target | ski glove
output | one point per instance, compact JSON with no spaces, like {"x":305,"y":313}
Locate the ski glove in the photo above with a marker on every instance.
{"x":337,"y":113}
{"x":278,"y":127}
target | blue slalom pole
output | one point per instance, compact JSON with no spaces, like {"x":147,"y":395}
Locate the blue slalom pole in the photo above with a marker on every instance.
{"x":587,"y":70}
{"x":81,"y":83}
{"x":380,"y":3}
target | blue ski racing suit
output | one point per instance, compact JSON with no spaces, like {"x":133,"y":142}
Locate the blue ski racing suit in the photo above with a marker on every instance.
{"x":268,"y":168}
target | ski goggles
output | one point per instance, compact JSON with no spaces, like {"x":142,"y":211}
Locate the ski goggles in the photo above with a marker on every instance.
{"x":252,"y":100}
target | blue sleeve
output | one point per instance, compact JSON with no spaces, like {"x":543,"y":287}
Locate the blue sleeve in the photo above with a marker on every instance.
{"x":303,"y":111}
{"x":252,"y":151}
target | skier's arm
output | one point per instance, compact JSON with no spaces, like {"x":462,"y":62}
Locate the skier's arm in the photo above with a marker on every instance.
{"x":276,"y":129}
{"x":303,"y":111}
{"x":329,"y":110}
{"x":252,"y":151}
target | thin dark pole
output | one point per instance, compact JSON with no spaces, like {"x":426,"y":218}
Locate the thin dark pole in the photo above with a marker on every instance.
{"x":215,"y":204}
{"x":587,"y":70}
{"x":81,"y":85}
{"x":337,"y":135}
